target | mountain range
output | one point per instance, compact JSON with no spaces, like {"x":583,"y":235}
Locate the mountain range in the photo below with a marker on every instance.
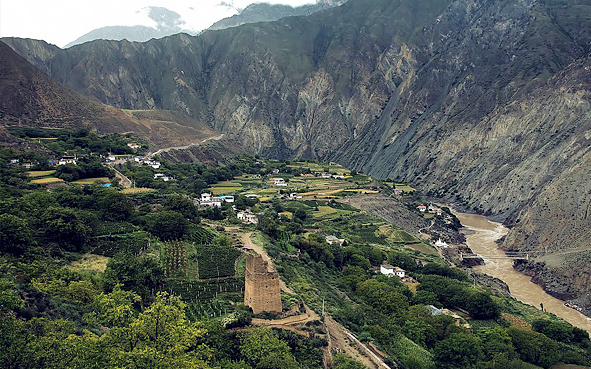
{"x":482,"y":104}
{"x":161,"y":22}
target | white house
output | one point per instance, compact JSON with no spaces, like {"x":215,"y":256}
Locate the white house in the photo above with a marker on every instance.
{"x":280,"y":182}
{"x":138,"y":159}
{"x":214,"y":202}
{"x":440,"y":243}
{"x":338,"y":176}
{"x":206,"y":196}
{"x":133,"y":145}
{"x":390,"y":271}
{"x":294,"y":196}
{"x":251,"y":196}
{"x":247,"y":217}
{"x":153,"y":164}
{"x":111,"y":158}
{"x":333,"y":240}
{"x":325,"y":175}
{"x":162,"y":176}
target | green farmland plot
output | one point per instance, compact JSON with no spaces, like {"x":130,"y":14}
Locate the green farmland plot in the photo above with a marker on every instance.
{"x":215,"y":261}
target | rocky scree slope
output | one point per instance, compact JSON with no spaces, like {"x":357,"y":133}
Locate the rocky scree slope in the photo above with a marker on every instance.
{"x":482,"y":103}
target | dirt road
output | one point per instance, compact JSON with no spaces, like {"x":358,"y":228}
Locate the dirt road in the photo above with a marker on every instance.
{"x":341,"y":340}
{"x":216,"y":138}
{"x":248,"y":244}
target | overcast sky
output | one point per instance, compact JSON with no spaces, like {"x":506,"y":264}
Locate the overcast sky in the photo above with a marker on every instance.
{"x":61,"y":21}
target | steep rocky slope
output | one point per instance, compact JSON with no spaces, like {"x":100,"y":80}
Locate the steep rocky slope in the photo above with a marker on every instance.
{"x":29,"y":97}
{"x":482,"y":103}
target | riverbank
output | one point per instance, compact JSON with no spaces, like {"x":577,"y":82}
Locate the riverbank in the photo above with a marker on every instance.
{"x":481,"y":235}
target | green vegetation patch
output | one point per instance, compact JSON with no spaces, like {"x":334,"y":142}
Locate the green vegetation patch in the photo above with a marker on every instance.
{"x":216,"y":261}
{"x":128,"y":243}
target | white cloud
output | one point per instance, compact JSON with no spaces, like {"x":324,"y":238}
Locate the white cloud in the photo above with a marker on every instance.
{"x":61,"y":21}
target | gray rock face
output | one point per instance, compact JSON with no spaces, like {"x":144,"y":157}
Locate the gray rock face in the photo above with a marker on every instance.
{"x":481,"y":103}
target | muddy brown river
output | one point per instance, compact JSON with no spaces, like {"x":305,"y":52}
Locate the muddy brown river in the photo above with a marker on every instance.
{"x":481,"y":235}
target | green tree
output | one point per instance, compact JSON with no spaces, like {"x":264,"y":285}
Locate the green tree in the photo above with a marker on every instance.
{"x":534,"y":347}
{"x":67,"y":227}
{"x":115,"y":206}
{"x":458,"y":351}
{"x":167,"y":225}
{"x":141,"y":275}
{"x":481,"y":306}
{"x":15,"y":234}
{"x":263,"y":350}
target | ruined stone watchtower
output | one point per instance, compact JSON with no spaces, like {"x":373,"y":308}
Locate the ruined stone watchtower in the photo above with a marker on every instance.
{"x":261,"y":286}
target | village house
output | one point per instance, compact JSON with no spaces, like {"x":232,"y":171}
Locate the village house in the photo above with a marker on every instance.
{"x":162,"y":176}
{"x":247,"y":217}
{"x":390,"y":271}
{"x":133,"y":145}
{"x":422,"y":208}
{"x":153,"y":164}
{"x":111,"y":158}
{"x":440,"y":243}
{"x":333,"y":240}
{"x":325,"y":175}
{"x":280,"y":182}
{"x":207,"y":200}
{"x":138,"y":159}
{"x":275,"y":171}
{"x":28,"y":165}
{"x":14,"y":161}
{"x":398,"y":192}
{"x":67,"y":160}
{"x":294,"y":196}
{"x":251,"y":196}
{"x":338,"y":176}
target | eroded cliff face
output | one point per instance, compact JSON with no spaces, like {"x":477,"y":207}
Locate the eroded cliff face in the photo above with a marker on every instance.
{"x":483,"y":103}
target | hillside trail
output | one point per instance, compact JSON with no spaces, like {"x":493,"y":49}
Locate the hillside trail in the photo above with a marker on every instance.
{"x":340,"y":339}
{"x":167,"y":149}
{"x":123,"y":180}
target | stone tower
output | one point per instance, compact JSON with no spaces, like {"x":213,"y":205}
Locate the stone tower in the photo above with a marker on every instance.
{"x":261,"y":286}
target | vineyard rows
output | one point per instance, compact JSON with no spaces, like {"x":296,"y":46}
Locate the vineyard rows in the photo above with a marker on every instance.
{"x":204,"y":290}
{"x":131,"y":242}
{"x":176,"y":259}
{"x":216,"y":261}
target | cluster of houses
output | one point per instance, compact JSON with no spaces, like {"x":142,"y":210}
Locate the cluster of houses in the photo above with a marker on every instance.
{"x":27,"y":165}
{"x":208,"y":200}
{"x":431,"y":209}
{"x":328,"y":175}
{"x":247,"y":217}
{"x":393,"y":271}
